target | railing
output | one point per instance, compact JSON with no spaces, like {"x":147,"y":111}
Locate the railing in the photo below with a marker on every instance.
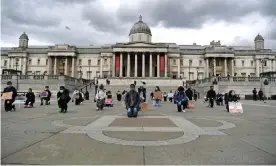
{"x":38,"y":77}
{"x":236,"y":79}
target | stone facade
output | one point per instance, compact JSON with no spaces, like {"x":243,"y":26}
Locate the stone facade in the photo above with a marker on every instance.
{"x":140,"y":58}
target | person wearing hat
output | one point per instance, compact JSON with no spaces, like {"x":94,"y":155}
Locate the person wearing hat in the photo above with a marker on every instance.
{"x":47,"y":97}
{"x":211,"y":95}
{"x":30,"y":99}
{"x":8,"y":104}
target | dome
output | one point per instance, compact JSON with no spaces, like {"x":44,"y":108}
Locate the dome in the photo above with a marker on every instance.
{"x":24,"y":36}
{"x":140,"y":27}
{"x":259,"y":37}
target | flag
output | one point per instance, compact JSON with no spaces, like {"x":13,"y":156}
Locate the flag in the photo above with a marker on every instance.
{"x":162,"y":63}
{"x":66,"y":27}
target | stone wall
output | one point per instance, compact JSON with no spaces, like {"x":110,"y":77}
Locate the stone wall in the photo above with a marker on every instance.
{"x":167,"y":82}
{"x":242,"y":85}
{"x":38,"y":82}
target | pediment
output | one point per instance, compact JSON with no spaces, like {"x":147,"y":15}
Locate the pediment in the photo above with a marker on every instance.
{"x":136,"y":44}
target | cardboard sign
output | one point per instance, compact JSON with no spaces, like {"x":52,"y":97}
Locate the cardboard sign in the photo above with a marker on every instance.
{"x":157,"y":95}
{"x":170,"y":95}
{"x":235,"y":107}
{"x":144,"y":106}
{"x":6,"y":96}
{"x":44,"y":94}
{"x":108,"y":101}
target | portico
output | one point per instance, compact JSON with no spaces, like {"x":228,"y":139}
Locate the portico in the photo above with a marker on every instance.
{"x":139,"y":64}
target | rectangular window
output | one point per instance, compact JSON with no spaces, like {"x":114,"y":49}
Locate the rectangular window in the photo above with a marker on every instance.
{"x":217,"y":63}
{"x":89,"y":62}
{"x":243,"y":74}
{"x":105,"y":61}
{"x":99,"y":62}
{"x":265,"y":63}
{"x":30,"y":61}
{"x":242,"y":63}
{"x":38,"y":62}
{"x":37,"y":73}
{"x":5,"y":62}
{"x":46,"y":61}
{"x":234,"y":62}
{"x":181,"y":62}
{"x":190,"y":62}
{"x":200,"y":62}
{"x":80,"y":61}
{"x":252,"y":63}
{"x":174,"y":62}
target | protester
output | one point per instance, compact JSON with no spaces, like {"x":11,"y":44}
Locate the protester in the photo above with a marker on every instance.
{"x":219,"y":99}
{"x":86,"y":95}
{"x":195,"y":95}
{"x":254,"y":94}
{"x":189,"y":93}
{"x":100,"y":97}
{"x":261,"y":95}
{"x":119,"y":96}
{"x":157,"y":102}
{"x":78,"y":97}
{"x":8,"y":104}
{"x":231,"y":97}
{"x":132,"y":102}
{"x":45,"y":95}
{"x":170,"y":96}
{"x":165,"y":96}
{"x":181,"y":99}
{"x":63,"y":99}
{"x":30,"y":99}
{"x":211,"y":95}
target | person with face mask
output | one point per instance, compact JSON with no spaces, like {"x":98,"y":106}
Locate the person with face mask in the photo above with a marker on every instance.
{"x":30,"y":99}
{"x":77,"y":95}
{"x":8,"y":104}
{"x":132,"y":102}
{"x":157,"y":101}
{"x":63,"y":99}
{"x":211,"y":95}
{"x":100,"y":97}
{"x":45,"y":95}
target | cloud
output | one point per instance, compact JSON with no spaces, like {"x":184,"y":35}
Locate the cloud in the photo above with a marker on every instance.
{"x":109,"y":21}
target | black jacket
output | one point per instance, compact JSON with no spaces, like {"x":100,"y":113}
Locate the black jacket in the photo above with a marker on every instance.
{"x":64,"y":95}
{"x":13,"y":90}
{"x":189,"y":93}
{"x":132,"y":99}
{"x":211,"y":94}
{"x":261,"y":93}
{"x":49,"y":93}
{"x":254,"y":92}
{"x":30,"y":96}
{"x":232,"y":98}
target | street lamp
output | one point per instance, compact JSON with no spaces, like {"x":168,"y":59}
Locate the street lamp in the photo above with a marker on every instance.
{"x":80,"y":72}
{"x":16,"y":65}
{"x":190,"y":62}
{"x":89,"y":65}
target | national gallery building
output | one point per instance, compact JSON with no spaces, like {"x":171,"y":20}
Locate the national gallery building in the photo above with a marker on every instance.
{"x":139,"y":57}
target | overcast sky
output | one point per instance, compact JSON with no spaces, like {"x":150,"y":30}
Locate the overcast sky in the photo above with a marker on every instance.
{"x":233,"y":22}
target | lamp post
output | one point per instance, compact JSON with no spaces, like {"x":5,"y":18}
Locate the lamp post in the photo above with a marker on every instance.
{"x":16,"y":65}
{"x":190,"y":62}
{"x":89,"y":65}
{"x":80,"y":72}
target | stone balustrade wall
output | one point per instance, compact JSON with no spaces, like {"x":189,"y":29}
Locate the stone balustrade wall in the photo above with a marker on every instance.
{"x":38,"y":82}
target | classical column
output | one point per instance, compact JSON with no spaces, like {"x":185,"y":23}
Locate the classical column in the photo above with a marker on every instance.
{"x":121,"y":64}
{"x":232,"y":67}
{"x":49,"y":66}
{"x":158,"y":65}
{"x":271,"y":65}
{"x":166,"y":70}
{"x":113,"y":65}
{"x":225,"y":67}
{"x":73,"y":67}
{"x":207,"y":68}
{"x":66,"y":66}
{"x":101,"y":67}
{"x":55,"y":66}
{"x":257,"y":68}
{"x":143,"y":65}
{"x":215,"y":70}
{"x":178,"y":68}
{"x":150,"y":74}
{"x":135,"y":74}
{"x":128,"y":64}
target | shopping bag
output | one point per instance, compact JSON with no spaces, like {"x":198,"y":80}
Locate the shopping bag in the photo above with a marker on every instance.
{"x":235,"y":107}
{"x":191,"y":105}
{"x":59,"y":110}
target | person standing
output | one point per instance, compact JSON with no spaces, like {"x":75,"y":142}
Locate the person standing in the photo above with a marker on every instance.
{"x":211,"y":95}
{"x":254,"y":94}
{"x":261,"y":95}
{"x":63,"y":99}
{"x":8,"y":104}
{"x":189,"y":93}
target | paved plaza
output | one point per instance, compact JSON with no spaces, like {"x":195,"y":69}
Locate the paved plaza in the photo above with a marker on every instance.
{"x":41,"y":135}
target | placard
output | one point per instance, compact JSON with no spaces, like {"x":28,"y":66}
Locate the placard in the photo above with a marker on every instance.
{"x":144,"y":106}
{"x":235,"y":107}
{"x":170,"y":95}
{"x":44,"y":94}
{"x":157,"y":95}
{"x":6,"y":96}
